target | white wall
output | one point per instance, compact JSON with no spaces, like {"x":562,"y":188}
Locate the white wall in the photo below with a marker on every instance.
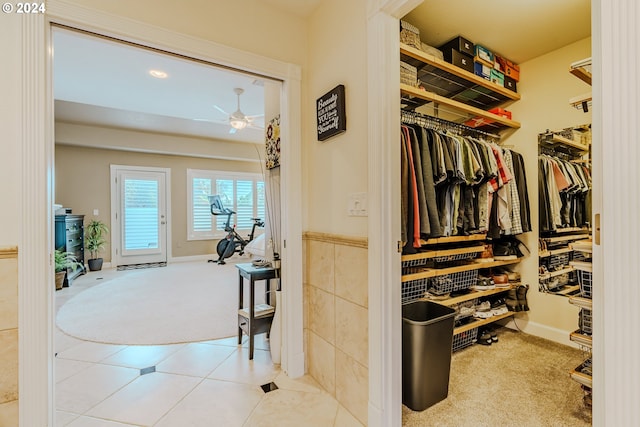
{"x":10,"y":124}
{"x":337,"y":167}
{"x":545,"y":87}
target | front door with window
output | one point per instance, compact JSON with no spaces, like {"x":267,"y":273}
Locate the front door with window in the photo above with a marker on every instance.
{"x":139,"y":219}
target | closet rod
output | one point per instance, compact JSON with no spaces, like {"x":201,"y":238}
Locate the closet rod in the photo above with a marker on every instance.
{"x":436,"y":123}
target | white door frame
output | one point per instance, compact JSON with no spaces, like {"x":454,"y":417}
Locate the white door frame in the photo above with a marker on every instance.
{"x":116,"y":231}
{"x":36,"y":306}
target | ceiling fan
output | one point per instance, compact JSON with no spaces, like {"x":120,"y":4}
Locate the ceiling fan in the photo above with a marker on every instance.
{"x":238,"y":120}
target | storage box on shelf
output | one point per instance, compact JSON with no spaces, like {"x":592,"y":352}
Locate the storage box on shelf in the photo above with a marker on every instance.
{"x":453,"y":87}
{"x":557,"y":274}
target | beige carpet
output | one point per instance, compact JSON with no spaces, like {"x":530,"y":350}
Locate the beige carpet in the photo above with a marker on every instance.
{"x":519,"y":381}
{"x":182,"y":302}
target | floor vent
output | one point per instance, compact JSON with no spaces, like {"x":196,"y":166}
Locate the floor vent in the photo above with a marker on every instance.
{"x":269,"y":387}
{"x":139,"y":266}
{"x":149,"y":370}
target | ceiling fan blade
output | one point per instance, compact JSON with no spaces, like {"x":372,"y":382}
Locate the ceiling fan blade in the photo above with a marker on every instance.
{"x":221,"y":110}
{"x":232,"y":130}
{"x":255,"y":116}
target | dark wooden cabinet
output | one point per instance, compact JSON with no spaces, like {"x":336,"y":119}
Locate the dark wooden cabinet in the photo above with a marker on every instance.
{"x":69,"y":237}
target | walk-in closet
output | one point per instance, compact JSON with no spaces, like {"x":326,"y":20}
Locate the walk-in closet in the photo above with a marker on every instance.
{"x":496,"y":218}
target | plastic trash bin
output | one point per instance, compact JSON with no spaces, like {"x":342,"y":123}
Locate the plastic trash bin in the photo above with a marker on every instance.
{"x":427,"y":335}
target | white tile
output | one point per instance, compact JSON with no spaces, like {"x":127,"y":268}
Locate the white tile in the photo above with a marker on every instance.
{"x":63,"y":342}
{"x":284,"y":408}
{"x":259,"y":341}
{"x":229,"y":341}
{"x":145,"y":400}
{"x":89,"y":351}
{"x":96,"y":422}
{"x":195,"y":359}
{"x":345,"y":419}
{"x":306,"y":383}
{"x":212,"y":403}
{"x":66,"y":368}
{"x":142,"y":356}
{"x":238,"y":368}
{"x":89,"y":387}
{"x":65,"y":418}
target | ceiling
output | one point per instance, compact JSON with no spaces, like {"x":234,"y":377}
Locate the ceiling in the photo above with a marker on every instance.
{"x":518,"y":29}
{"x":102,"y":82}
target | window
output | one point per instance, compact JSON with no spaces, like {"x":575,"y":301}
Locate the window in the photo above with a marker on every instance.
{"x":240,"y":192}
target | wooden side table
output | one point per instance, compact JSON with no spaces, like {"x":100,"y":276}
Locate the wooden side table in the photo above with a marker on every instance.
{"x":249,"y":321}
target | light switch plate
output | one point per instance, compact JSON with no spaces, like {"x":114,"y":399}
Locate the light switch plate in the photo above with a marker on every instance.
{"x":357,"y":205}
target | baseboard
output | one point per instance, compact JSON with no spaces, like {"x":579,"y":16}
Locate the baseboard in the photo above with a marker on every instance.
{"x":543,"y":331}
{"x":193,"y":258}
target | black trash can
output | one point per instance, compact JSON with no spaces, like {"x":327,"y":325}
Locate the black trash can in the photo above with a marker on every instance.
{"x":427,"y":335}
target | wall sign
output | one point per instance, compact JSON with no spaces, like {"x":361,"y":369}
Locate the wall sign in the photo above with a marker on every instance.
{"x":332,"y":119}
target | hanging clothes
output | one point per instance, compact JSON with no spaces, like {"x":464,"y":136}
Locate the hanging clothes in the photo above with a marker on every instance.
{"x":459,"y":185}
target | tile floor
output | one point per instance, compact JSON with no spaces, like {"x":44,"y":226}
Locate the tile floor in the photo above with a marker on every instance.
{"x":210,"y":384}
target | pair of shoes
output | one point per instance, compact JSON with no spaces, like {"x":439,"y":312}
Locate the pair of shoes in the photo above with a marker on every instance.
{"x":484,"y":337}
{"x":521,"y":294}
{"x":484,"y":283}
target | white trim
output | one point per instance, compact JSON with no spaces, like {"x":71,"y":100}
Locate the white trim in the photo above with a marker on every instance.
{"x":36,"y":297}
{"x":384,"y":265}
{"x":35,"y":271}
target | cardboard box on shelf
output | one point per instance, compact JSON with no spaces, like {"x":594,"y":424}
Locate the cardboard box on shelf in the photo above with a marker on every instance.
{"x":479,"y":122}
{"x":458,"y":59}
{"x":497,"y":77}
{"x":482,"y":70}
{"x":510,"y":69}
{"x":460,"y":44}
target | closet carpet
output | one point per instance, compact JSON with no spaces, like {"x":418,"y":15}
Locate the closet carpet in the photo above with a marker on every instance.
{"x":521,"y":380}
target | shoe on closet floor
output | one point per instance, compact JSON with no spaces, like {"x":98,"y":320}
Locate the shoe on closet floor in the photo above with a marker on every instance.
{"x":484,"y":337}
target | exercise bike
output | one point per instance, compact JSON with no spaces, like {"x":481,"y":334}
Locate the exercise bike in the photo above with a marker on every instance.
{"x":232,"y":242}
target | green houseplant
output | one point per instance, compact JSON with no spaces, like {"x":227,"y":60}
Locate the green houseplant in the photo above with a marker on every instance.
{"x":94,"y":242}
{"x":64,"y":261}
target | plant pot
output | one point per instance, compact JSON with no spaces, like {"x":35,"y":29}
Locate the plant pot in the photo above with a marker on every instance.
{"x":95,"y":264}
{"x":60,"y":279}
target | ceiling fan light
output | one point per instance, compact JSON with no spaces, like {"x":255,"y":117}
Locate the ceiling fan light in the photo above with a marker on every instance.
{"x":238,"y":123}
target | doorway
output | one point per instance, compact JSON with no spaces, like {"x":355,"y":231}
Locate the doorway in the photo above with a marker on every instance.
{"x":36,"y":304}
{"x":139,"y":215}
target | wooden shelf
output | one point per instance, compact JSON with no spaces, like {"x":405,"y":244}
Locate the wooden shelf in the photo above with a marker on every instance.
{"x":557,"y":139}
{"x":582,"y":74}
{"x":442,"y":253}
{"x":545,"y":254}
{"x":567,"y":290}
{"x":578,"y":337}
{"x":581,"y":302}
{"x":481,"y":322}
{"x":551,"y":274}
{"x":497,"y":121}
{"x":447,"y":80}
{"x":581,"y":377}
{"x":435,"y":272}
{"x":566,"y":238}
{"x":456,"y":239}
{"x":473,"y":295}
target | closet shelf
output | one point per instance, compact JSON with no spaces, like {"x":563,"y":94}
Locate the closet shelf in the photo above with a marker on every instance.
{"x":435,"y":272}
{"x":546,"y":254}
{"x":497,"y":121}
{"x":450,"y":81}
{"x":565,"y":142}
{"x":582,"y":74}
{"x":566,"y":238}
{"x":442,"y":253}
{"x":481,"y":322}
{"x":456,"y":239}
{"x":579,"y":337}
{"x":547,"y":276}
{"x":581,"y":302}
{"x":581,"y":377}
{"x":567,"y":290}
{"x":473,"y":295}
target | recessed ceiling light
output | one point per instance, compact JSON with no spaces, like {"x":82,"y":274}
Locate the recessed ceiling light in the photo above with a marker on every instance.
{"x":158,"y":74}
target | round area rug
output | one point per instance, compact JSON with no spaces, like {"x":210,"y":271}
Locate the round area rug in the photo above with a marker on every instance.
{"x":182,"y":302}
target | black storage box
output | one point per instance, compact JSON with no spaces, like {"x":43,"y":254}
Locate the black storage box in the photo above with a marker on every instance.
{"x":458,"y":59}
{"x":461,"y":45}
{"x":510,"y":83}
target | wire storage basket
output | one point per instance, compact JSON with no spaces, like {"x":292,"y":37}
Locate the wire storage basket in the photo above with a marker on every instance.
{"x":585,"y":322}
{"x":452,"y":282}
{"x":413,"y":290}
{"x":585,"y":274}
{"x":557,"y":261}
{"x":464,"y":339}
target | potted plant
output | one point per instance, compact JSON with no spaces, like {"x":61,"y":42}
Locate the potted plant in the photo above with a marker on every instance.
{"x":94,"y":242}
{"x":64,"y":261}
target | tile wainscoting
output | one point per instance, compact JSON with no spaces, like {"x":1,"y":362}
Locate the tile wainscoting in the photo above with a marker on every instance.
{"x":8,"y":336}
{"x":336,"y":318}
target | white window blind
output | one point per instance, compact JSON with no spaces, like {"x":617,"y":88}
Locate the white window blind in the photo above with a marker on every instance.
{"x":240,"y":192}
{"x":140,"y":214}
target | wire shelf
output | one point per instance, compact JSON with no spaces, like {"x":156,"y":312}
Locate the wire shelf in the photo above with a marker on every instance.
{"x":585,"y":321}
{"x":413,"y":290}
{"x":464,"y":339}
{"x":452,"y":282}
{"x":585,"y":281}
